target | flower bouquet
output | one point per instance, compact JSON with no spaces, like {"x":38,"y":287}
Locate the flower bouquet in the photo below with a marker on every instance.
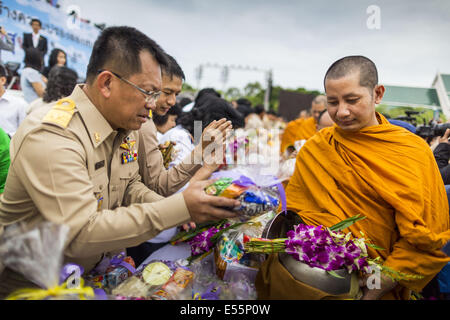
{"x":324,"y":249}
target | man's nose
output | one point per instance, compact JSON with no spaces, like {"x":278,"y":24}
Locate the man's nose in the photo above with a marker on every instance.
{"x":171,"y":100}
{"x":342,"y":110}
{"x":151,"y":105}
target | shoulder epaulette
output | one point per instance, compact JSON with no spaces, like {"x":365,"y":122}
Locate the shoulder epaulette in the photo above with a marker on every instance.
{"x":61,"y":113}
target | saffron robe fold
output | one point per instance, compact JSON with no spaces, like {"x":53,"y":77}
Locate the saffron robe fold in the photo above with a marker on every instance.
{"x":299,"y":129}
{"x":387,"y":174}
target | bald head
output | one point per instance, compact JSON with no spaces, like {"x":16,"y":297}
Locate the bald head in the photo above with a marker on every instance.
{"x":318,"y":105}
{"x":324,"y":120}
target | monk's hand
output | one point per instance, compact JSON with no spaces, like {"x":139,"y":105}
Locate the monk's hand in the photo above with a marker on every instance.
{"x":444,"y":138}
{"x":386,"y":284}
{"x":203,"y":207}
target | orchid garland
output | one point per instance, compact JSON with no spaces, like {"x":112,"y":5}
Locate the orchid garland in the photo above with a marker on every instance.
{"x":326,"y":248}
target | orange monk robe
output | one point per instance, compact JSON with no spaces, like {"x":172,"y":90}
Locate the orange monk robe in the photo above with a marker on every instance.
{"x":387,"y":174}
{"x":299,"y":129}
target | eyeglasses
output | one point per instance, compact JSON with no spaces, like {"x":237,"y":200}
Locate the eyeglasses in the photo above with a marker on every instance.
{"x":150,"y":96}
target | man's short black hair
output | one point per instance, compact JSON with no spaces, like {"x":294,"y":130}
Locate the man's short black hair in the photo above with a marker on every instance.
{"x":244,"y":101}
{"x":36,"y":20}
{"x":259,"y":109}
{"x":33,"y":59}
{"x":173,"y":69}
{"x":3,"y":71}
{"x":118,"y":48}
{"x":368,"y":74}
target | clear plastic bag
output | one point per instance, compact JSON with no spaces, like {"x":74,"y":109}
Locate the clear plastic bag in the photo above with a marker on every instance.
{"x":229,"y":254}
{"x":258,"y":193}
{"x":37,"y":254}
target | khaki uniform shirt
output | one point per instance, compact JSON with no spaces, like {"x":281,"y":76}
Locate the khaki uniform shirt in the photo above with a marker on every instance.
{"x":72,"y":174}
{"x":151,"y":165}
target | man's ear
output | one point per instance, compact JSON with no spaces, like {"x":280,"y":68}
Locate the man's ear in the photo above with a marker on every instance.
{"x":3,"y":81}
{"x":104,"y":83}
{"x":379,"y":91}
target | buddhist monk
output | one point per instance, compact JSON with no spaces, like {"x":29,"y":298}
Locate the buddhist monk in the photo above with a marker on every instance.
{"x":303,"y":129}
{"x":365,"y":165}
{"x":324,"y":120}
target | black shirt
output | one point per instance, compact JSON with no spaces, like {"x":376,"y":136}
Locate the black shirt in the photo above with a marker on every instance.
{"x":442,"y":155}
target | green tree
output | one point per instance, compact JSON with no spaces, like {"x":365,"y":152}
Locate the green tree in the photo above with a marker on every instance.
{"x":399,"y":111}
{"x":188,"y":87}
{"x":232,"y":93}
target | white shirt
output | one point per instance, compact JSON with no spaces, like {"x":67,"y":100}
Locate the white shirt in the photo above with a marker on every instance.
{"x":12,"y":113}
{"x":35,"y":37}
{"x":183,"y":147}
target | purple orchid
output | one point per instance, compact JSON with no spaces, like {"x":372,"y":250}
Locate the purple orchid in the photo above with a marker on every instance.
{"x":318,"y":248}
{"x":202,"y":243}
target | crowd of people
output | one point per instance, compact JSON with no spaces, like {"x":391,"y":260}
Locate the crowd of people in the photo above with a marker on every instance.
{"x":90,"y":156}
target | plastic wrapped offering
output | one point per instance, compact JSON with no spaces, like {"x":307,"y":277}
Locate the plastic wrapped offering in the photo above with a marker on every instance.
{"x":147,"y":280}
{"x":257,"y":193}
{"x":37,"y":254}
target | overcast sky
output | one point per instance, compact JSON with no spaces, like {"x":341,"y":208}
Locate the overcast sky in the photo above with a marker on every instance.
{"x":296,"y":39}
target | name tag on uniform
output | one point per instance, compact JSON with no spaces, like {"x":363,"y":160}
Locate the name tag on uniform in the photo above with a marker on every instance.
{"x":99,"y":164}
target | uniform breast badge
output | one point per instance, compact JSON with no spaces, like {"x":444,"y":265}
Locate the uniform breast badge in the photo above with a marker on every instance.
{"x":130,"y":154}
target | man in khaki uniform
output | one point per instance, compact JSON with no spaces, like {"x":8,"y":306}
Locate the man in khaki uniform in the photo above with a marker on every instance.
{"x":151,"y":165}
{"x":74,"y":163}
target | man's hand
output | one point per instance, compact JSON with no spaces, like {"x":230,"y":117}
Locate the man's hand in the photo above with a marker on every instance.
{"x":203,"y":207}
{"x":215,"y":132}
{"x":190,"y":225}
{"x":386,"y":285}
{"x":3,"y":31}
{"x":444,"y":138}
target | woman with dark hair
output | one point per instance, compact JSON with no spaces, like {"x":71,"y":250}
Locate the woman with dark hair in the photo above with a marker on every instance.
{"x":57,"y":58}
{"x":211,"y":108}
{"x":61,"y":83}
{"x":31,"y":80}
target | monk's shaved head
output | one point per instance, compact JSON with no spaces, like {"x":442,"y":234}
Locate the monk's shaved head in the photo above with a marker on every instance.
{"x":368,"y":74}
{"x":318,"y":105}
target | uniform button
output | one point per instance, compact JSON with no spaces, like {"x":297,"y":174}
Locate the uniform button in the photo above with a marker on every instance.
{"x":129,"y":174}
{"x":100,"y":187}
{"x":114,"y":188}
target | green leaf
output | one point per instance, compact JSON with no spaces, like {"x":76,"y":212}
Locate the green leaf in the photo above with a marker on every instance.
{"x":346,"y":223}
{"x":374,"y":246}
{"x":215,"y":237}
{"x":334,"y":274}
{"x":187,"y":235}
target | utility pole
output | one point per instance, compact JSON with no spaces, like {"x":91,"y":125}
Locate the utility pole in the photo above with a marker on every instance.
{"x":225,"y":74}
